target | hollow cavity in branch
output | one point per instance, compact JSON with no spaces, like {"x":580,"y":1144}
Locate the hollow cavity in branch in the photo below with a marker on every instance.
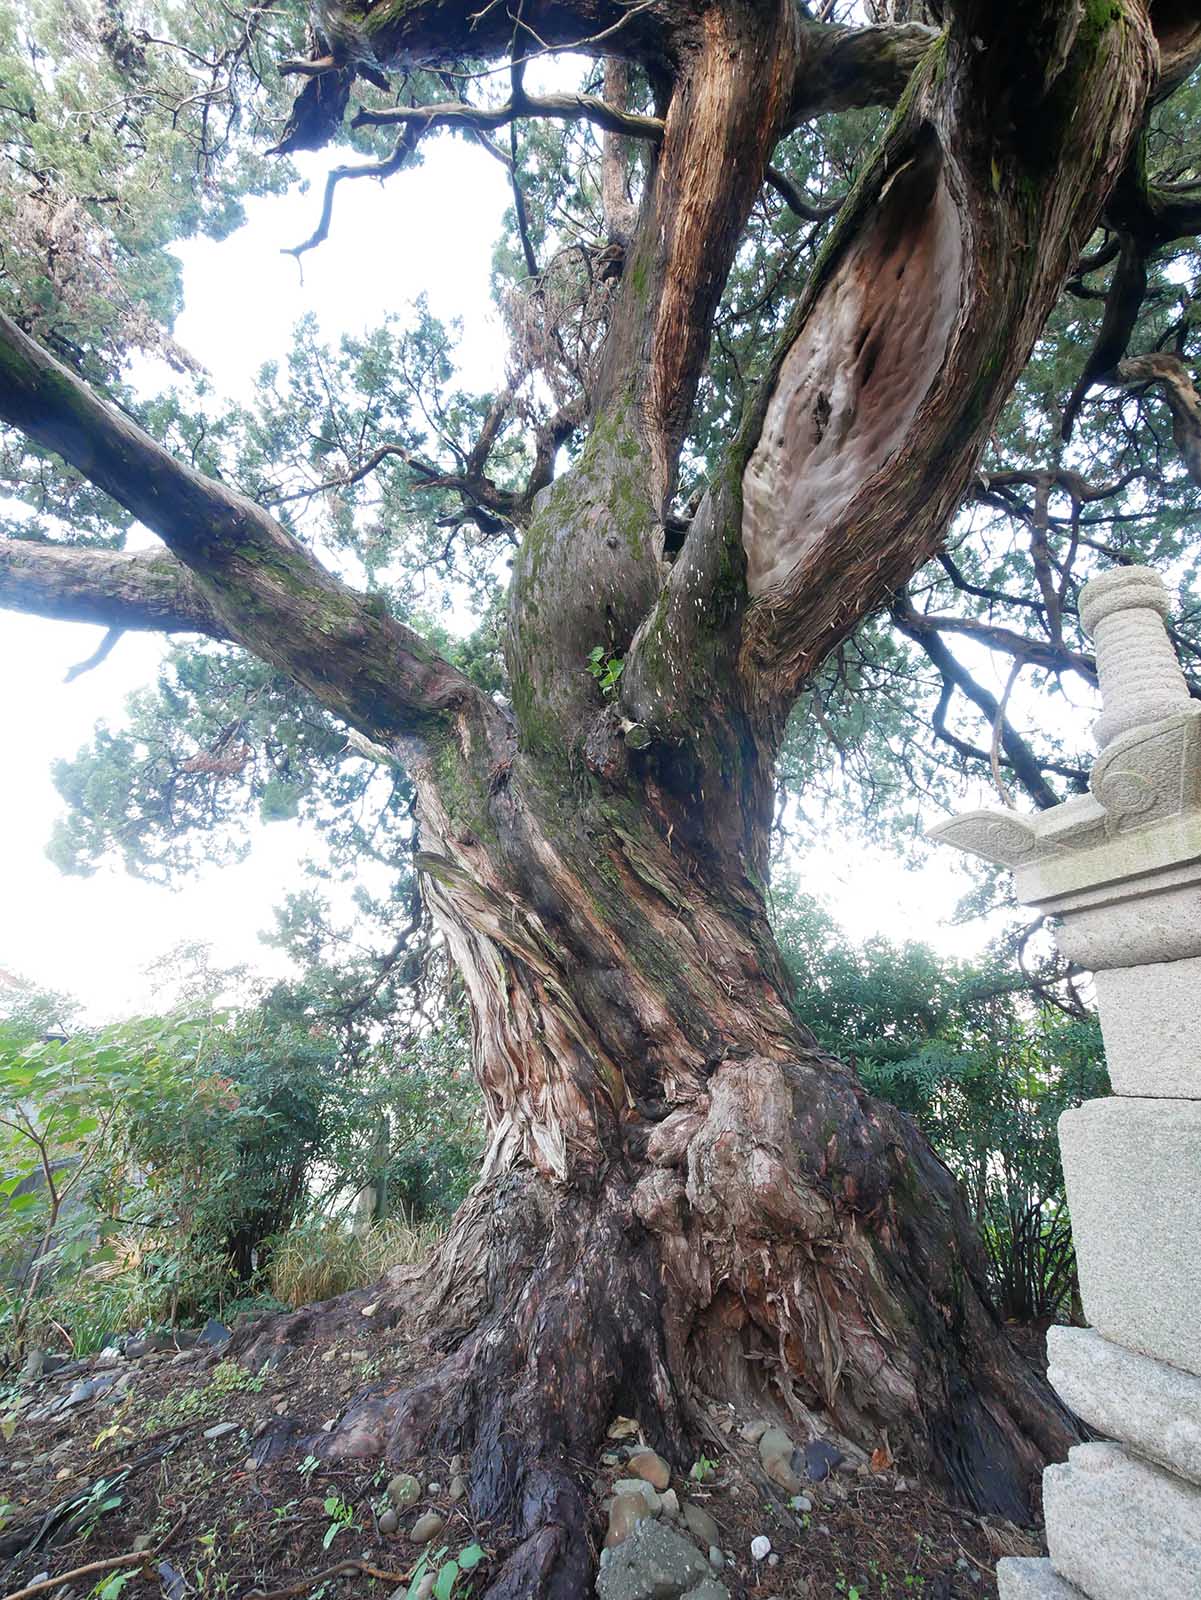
{"x":856,"y":374}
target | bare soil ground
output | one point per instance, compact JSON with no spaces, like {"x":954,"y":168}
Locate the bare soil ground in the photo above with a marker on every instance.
{"x":158,"y":1466}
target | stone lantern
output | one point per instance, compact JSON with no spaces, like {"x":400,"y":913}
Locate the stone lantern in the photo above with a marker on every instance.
{"x":1119,"y":873}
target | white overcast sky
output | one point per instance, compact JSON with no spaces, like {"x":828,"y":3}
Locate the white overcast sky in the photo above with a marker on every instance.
{"x":432,"y":230}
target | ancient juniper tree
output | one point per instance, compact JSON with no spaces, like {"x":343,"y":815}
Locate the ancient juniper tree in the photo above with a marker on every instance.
{"x":682,"y":1194}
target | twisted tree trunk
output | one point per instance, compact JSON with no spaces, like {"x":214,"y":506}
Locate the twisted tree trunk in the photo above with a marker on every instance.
{"x":683,"y":1196}
{"x":682,"y":1193}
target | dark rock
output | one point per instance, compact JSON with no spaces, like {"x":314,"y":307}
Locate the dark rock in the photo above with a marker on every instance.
{"x":820,"y":1459}
{"x":88,"y":1389}
{"x":214,"y":1332}
{"x":173,"y":1582}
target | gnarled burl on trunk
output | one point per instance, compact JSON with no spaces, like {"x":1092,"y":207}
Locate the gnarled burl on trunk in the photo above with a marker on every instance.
{"x":683,"y":1195}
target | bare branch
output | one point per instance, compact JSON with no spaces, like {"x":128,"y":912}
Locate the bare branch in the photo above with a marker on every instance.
{"x":384,"y":168}
{"x":100,"y":654}
{"x":557,"y":107}
{"x":999,"y":721}
{"x":1027,"y":768}
{"x":795,"y":200}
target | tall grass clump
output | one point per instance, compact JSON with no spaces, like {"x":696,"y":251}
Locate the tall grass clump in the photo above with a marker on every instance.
{"x":317,"y":1260}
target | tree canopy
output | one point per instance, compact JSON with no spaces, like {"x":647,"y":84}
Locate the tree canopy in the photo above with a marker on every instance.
{"x":126,"y":134}
{"x":845,"y":343}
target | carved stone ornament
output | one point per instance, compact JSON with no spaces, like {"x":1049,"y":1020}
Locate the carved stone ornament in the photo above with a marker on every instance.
{"x":1001,"y":837}
{"x":1151,"y":774}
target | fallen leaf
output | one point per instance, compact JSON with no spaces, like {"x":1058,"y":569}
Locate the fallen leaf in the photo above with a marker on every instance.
{"x":622,"y":1428}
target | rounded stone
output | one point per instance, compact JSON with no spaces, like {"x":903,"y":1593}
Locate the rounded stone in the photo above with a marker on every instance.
{"x":404,"y":1491}
{"x":760,"y":1547}
{"x":426,"y":1528}
{"x":651,"y":1466}
{"x":389,"y":1521}
{"x":649,"y":1493}
{"x":625,"y":1513}
{"x":776,"y":1451}
{"x":700,"y":1524}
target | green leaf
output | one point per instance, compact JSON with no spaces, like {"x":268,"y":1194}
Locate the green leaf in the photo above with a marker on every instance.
{"x":447,"y":1578}
{"x":471,"y":1556}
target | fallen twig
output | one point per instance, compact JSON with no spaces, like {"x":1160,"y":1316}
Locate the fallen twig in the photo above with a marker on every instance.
{"x":365,"y":1568}
{"x":134,"y":1558}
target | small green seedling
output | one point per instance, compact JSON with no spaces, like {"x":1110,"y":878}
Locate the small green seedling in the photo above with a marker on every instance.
{"x":342,"y":1518}
{"x":606,"y":669}
{"x":449,"y":1572}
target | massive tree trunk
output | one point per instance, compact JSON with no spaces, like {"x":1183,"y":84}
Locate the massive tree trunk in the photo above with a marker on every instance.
{"x":683,"y":1195}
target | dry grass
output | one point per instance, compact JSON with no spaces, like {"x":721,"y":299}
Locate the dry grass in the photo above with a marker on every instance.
{"x":315,"y":1262}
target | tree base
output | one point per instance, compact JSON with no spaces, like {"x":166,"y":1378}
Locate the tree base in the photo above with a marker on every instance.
{"x":735,"y":1255}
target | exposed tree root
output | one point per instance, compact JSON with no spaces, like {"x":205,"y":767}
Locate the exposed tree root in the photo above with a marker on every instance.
{"x":785,"y":1241}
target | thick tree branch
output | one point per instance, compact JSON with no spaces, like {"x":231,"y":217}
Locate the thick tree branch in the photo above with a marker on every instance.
{"x":265,"y":590}
{"x":619,"y":211}
{"x":1160,"y":369}
{"x":1145,"y":216}
{"x":937,"y":278}
{"x":1123,"y":303}
{"x":142,"y":591}
{"x":432,"y":33}
{"x":845,"y":69}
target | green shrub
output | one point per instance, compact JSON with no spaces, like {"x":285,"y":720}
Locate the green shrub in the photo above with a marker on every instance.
{"x":983,"y":1066}
{"x":148,"y":1172}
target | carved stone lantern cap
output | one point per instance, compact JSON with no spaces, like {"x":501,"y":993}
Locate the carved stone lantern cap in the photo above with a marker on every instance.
{"x":1119,"y":867}
{"x":1122,"y":589}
